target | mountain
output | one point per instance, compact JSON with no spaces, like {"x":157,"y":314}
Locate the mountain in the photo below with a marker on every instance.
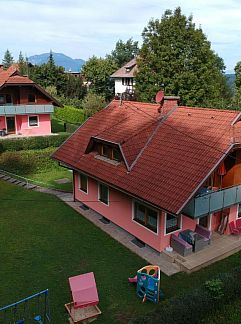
{"x":60,"y":59}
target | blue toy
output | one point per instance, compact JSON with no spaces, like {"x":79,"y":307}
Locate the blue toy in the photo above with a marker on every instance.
{"x":148,"y":283}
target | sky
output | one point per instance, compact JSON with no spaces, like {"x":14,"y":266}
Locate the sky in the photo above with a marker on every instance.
{"x":83,"y":28}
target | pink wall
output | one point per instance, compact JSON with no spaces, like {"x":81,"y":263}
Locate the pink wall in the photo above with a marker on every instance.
{"x":22,"y":127}
{"x":119,"y":211}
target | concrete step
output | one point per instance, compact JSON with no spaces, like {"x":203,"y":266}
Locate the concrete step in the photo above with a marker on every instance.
{"x":30,"y":186}
{"x":2,"y":175}
{"x":12,"y":180}
{"x":6,"y":178}
{"x":22,"y":184}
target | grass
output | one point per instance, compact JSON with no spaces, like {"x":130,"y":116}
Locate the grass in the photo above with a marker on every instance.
{"x":36,"y":165}
{"x":43,"y":242}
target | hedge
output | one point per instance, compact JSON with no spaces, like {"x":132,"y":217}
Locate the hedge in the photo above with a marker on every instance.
{"x":70,"y":114}
{"x":193,"y":306}
{"x":32,"y":143}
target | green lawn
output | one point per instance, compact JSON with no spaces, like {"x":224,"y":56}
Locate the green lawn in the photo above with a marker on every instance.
{"x":43,"y":242}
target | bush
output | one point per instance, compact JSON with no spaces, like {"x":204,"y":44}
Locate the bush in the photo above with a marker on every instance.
{"x":32,"y":143}
{"x":70,"y":114}
{"x":27,"y":162}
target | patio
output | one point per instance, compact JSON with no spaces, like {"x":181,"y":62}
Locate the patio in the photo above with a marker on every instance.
{"x":221,"y":247}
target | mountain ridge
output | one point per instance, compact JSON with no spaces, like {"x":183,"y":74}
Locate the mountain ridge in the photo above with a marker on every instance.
{"x":60,"y":59}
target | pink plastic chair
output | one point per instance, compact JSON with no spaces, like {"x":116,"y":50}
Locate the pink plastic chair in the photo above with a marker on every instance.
{"x":233,"y":229}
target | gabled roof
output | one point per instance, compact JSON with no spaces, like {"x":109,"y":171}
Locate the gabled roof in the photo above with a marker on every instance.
{"x":128,"y":70}
{"x":11,"y":76}
{"x":167,"y":156}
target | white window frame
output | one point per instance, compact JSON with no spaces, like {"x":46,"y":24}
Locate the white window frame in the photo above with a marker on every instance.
{"x":79,"y":184}
{"x":30,"y":126}
{"x":100,"y":183}
{"x":165,"y":222}
{"x":146,"y":205}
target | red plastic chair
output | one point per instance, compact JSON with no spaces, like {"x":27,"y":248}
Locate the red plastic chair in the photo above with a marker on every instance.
{"x":233,"y":229}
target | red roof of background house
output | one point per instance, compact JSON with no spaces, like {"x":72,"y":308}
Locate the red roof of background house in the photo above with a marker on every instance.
{"x":11,"y":76}
{"x":167,"y":158}
{"x":126,"y":70}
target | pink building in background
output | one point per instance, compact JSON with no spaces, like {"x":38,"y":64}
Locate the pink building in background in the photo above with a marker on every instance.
{"x":156,"y":170}
{"x":25,"y":107}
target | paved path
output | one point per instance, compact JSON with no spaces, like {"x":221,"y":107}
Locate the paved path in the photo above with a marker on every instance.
{"x":120,"y":235}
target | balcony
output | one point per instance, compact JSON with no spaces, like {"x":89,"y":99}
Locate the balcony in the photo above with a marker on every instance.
{"x":25,"y":109}
{"x":213,"y":201}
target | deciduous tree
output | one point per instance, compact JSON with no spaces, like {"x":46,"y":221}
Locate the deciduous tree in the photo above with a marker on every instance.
{"x":177,"y":56}
{"x":124,"y":51}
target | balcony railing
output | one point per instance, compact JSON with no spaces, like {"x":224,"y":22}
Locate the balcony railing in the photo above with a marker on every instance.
{"x":25,"y":109}
{"x":213,"y":201}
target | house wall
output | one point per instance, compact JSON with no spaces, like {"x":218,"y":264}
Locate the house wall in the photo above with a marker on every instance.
{"x":23,"y":128}
{"x":119,"y":211}
{"x":119,"y":87}
{"x":20,"y":95}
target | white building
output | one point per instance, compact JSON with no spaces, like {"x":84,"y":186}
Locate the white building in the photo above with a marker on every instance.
{"x":125,"y":78}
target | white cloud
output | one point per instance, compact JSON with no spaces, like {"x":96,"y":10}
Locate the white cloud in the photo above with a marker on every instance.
{"x":80,"y":29}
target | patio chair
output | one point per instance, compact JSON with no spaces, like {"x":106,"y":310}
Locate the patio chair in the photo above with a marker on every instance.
{"x":233,"y":229}
{"x":238,"y":223}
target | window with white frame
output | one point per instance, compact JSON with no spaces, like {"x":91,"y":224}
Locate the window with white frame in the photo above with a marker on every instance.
{"x":33,"y":121}
{"x":83,"y":182}
{"x":104,"y":193}
{"x":145,"y":216}
{"x":173,"y":223}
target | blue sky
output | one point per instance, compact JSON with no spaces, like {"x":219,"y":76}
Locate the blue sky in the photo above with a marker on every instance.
{"x":81,"y":28}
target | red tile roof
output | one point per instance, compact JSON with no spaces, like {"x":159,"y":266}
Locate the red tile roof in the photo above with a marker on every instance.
{"x":167,"y":158}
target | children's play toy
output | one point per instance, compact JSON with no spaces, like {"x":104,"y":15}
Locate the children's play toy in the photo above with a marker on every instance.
{"x":148,"y":283}
{"x":33,"y":309}
{"x":83,"y":308}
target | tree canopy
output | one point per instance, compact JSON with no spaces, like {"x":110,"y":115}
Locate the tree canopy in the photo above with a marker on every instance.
{"x":96,"y":72}
{"x":237,"y":70}
{"x":7,"y":59}
{"x":124,"y":52}
{"x":177,"y":56}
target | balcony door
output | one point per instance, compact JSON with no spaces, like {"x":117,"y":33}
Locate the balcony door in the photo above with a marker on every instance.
{"x":11,"y":128}
{"x":205,"y":221}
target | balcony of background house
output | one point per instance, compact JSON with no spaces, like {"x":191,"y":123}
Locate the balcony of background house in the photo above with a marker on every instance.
{"x":221,"y":190}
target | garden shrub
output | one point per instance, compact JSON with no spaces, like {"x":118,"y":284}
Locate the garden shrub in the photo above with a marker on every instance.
{"x":70,"y":114}
{"x":32,"y":143}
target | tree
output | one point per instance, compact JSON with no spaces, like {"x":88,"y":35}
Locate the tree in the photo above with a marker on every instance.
{"x":177,"y":56}
{"x":7,"y":59}
{"x":96,"y":72}
{"x":237,"y":70}
{"x":124,"y":52}
{"x":23,"y":64}
{"x":92,"y":103}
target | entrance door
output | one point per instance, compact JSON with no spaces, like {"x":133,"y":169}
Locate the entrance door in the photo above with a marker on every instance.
{"x":204,"y":221}
{"x":10,"y":125}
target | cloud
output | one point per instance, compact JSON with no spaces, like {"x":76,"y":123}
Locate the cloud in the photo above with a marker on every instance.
{"x":81,"y":29}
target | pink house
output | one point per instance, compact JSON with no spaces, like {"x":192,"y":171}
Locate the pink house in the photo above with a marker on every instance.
{"x":25,"y":107}
{"x":158,"y":169}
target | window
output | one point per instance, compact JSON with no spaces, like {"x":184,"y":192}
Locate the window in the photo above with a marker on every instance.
{"x":127,"y":81}
{"x":104,"y":193}
{"x":33,"y":120}
{"x":2,"y":99}
{"x":83,"y":182}
{"x":108,"y":151}
{"x":239,"y":211}
{"x":172,"y":223}
{"x":31,"y":97}
{"x":145,"y":216}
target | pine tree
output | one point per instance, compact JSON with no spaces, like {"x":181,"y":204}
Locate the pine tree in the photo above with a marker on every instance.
{"x":7,"y":59}
{"x":178,"y":55}
{"x":23,"y":64}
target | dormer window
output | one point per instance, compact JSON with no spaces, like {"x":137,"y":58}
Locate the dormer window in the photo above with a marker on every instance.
{"x":105,"y":151}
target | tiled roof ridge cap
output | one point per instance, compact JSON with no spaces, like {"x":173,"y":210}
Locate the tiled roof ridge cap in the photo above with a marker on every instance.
{"x":210,"y":109}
